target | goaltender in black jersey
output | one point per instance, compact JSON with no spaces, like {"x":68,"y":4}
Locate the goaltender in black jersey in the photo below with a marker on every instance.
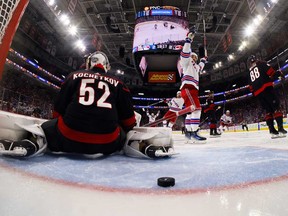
{"x":92,"y":108}
{"x":93,"y":114}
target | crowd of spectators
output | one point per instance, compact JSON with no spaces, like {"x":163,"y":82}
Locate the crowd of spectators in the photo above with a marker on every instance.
{"x":22,"y":94}
{"x":248,"y":110}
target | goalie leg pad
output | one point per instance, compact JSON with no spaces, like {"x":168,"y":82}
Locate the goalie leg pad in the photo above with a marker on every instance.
{"x":158,"y":136}
{"x":34,"y":143}
{"x":149,"y":142}
{"x":11,"y":125}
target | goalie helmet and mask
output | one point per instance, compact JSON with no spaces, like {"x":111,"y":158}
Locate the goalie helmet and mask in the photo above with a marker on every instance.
{"x":98,"y":59}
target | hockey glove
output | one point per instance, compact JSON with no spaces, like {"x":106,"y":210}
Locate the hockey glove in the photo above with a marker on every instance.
{"x":190,"y":37}
{"x":281,"y":76}
{"x":204,"y":59}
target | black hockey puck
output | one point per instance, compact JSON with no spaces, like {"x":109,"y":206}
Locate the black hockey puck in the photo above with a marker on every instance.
{"x":166,"y":182}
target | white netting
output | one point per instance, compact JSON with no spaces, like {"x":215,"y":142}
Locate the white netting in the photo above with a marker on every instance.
{"x":7,"y":8}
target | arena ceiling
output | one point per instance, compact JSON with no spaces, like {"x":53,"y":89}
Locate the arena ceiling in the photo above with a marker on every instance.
{"x":225,"y":21}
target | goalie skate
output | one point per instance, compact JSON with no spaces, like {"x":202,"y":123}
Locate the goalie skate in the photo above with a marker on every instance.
{"x":23,"y":148}
{"x":159,"y":151}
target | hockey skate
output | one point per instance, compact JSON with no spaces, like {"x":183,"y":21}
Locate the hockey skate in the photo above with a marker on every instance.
{"x":282,"y":132}
{"x":192,"y":137}
{"x":214,"y":133}
{"x":274,"y":133}
{"x":23,"y":148}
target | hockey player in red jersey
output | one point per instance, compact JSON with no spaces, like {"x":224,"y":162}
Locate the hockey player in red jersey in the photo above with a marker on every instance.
{"x":210,"y":111}
{"x":190,"y":88}
{"x":261,"y":77}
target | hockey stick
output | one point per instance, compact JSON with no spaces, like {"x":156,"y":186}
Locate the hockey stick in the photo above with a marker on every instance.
{"x":283,"y":85}
{"x":203,"y":122}
{"x":178,"y":113}
{"x":161,"y":101}
{"x":204,"y":37}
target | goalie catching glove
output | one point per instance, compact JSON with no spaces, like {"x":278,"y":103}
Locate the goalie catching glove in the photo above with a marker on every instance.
{"x":149,"y":142}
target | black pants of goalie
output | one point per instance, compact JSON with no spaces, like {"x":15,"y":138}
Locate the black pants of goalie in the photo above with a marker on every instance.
{"x":59,"y":143}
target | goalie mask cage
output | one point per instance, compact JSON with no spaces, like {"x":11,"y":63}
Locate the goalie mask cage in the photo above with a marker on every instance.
{"x":11,"y":12}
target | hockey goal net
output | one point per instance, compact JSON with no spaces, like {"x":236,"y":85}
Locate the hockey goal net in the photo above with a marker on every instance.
{"x":11,"y":12}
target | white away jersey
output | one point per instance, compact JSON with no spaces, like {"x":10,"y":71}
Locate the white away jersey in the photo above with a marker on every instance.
{"x":226,"y":119}
{"x":191,"y":69}
{"x":175,"y":104}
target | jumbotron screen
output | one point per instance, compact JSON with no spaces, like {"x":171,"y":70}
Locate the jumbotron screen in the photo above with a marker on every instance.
{"x":159,"y":35}
{"x":160,"y":29}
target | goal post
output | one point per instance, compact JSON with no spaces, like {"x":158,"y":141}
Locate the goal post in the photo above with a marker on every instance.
{"x":11,"y":12}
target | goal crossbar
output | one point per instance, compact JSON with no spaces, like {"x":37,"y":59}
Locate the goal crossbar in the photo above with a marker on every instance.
{"x":11,"y":12}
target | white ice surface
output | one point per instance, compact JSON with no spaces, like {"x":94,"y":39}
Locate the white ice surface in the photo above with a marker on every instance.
{"x":26,"y":194}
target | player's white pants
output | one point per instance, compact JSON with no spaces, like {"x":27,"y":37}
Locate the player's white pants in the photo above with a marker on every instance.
{"x":138,"y":118}
{"x":192,"y":120}
{"x":223,"y":128}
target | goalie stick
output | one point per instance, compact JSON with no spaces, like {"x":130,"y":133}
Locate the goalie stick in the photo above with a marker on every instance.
{"x":179,"y":113}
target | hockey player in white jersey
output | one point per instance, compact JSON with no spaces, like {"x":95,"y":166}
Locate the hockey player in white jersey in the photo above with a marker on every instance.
{"x":152,"y":117}
{"x":190,"y":88}
{"x":225,"y":121}
{"x":175,"y":104}
{"x":138,"y":118}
